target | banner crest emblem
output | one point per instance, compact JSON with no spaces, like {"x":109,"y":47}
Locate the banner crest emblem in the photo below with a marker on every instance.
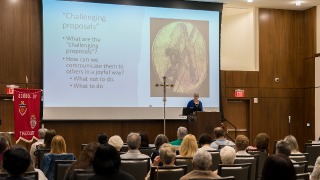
{"x":22,"y":108}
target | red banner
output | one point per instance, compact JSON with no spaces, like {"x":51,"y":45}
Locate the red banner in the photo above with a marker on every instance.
{"x":26,"y":114}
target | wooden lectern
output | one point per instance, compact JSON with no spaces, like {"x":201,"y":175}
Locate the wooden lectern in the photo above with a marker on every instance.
{"x":204,"y":122}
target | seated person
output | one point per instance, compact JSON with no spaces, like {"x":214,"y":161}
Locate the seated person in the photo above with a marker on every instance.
{"x":204,"y":141}
{"x":116,"y":142}
{"x":283,"y":147}
{"x":227,"y":155}
{"x":47,"y":139}
{"x":106,"y":165}
{"x":58,"y":152}
{"x":195,"y":104}
{"x":202,"y":160}
{"x":102,"y":138}
{"x":16,"y":162}
{"x":220,"y":139}
{"x":242,"y":142}
{"x":133,"y":141}
{"x":261,"y":142}
{"x":4,"y":145}
{"x":315,"y":175}
{"x":33,"y":148}
{"x":278,"y":167}
{"x":84,"y":161}
{"x":144,"y":140}
{"x":167,"y":155}
{"x":293,"y":144}
{"x":188,"y":146}
{"x":181,"y":133}
{"x":160,"y":139}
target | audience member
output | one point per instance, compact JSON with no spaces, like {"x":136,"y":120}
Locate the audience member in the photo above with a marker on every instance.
{"x":58,"y":152}
{"x":144,"y":140}
{"x":188,"y":146}
{"x":202,"y":160}
{"x":84,"y":161}
{"x":102,"y":138}
{"x":106,"y":165}
{"x":160,"y":139}
{"x":116,"y":142}
{"x":181,"y":133}
{"x":7,"y":136}
{"x":204,"y":141}
{"x":283,"y":147}
{"x":315,"y":175}
{"x":242,"y":142}
{"x":278,"y":167}
{"x":167,"y":156}
{"x":16,"y":161}
{"x":227,"y":155}
{"x":33,"y":148}
{"x":220,"y":139}
{"x":293,"y":144}
{"x":261,"y":142}
{"x":133,"y":141}
{"x":4,"y":145}
{"x":47,"y":139}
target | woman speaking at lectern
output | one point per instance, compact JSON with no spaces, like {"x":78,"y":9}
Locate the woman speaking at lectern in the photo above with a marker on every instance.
{"x":195,"y":104}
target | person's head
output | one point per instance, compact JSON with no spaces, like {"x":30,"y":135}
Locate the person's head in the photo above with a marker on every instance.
{"x":188,"y":146}
{"x":85,"y":160}
{"x":7,"y":136}
{"x":293,"y":143}
{"x":278,"y":167}
{"x":102,"y":138}
{"x":133,"y":141}
{"x":42,"y":133}
{"x":58,"y":145}
{"x":227,"y":155}
{"x":242,"y":142}
{"x":202,"y":160}
{"x":106,"y":160}
{"x":16,"y":161}
{"x":196,"y":96}
{"x":4,"y":144}
{"x":218,"y":132}
{"x":283,"y":147}
{"x":144,"y":139}
{"x":48,"y":138}
{"x":205,"y":139}
{"x":167,"y":154}
{"x":116,"y":142}
{"x":262,"y":141}
{"x":159,"y":140}
{"x":182,"y":132}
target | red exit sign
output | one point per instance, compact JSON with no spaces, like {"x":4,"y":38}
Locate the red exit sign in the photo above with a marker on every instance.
{"x":238,"y":93}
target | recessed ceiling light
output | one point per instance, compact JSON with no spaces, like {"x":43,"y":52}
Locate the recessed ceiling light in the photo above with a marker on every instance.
{"x":298,"y":3}
{"x":250,"y":1}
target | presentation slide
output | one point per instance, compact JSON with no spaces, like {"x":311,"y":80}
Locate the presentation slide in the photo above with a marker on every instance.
{"x":108,"y":61}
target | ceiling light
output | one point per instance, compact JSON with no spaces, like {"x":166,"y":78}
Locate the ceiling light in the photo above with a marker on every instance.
{"x":250,"y":1}
{"x":298,"y":3}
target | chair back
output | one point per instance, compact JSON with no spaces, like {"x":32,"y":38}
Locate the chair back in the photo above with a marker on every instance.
{"x":138,"y":168}
{"x":147,"y":150}
{"x":167,"y":172}
{"x":124,"y":148}
{"x":83,"y":174}
{"x":239,"y":171}
{"x":314,"y":151}
{"x":253,"y":160}
{"x":303,"y":176}
{"x":31,"y":175}
{"x":299,"y":157}
{"x":300,"y":167}
{"x":39,"y":153}
{"x":222,"y":178}
{"x":61,"y":167}
{"x":215,"y":160}
{"x":263,"y":155}
{"x":185,"y":161}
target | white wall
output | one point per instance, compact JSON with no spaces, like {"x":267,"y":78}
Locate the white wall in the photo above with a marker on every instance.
{"x":317,"y":79}
{"x":239,"y":39}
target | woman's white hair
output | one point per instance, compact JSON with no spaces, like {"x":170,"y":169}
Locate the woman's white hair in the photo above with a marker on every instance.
{"x":227,"y":154}
{"x":116,"y":142}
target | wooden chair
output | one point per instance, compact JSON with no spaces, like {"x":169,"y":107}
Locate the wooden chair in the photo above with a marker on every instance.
{"x":299,"y":157}
{"x":31,"y":175}
{"x":167,"y":172}
{"x":185,"y":161}
{"x":83,"y":174}
{"x":314,"y":151}
{"x":61,"y":167}
{"x":239,"y":171}
{"x":303,"y":176}
{"x":253,"y":160}
{"x":300,"y":167}
{"x":39,"y":153}
{"x":215,"y":160}
{"x":263,"y":155}
{"x":138,"y":168}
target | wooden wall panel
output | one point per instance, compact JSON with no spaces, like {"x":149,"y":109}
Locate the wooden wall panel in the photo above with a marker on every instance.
{"x":242,"y":78}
